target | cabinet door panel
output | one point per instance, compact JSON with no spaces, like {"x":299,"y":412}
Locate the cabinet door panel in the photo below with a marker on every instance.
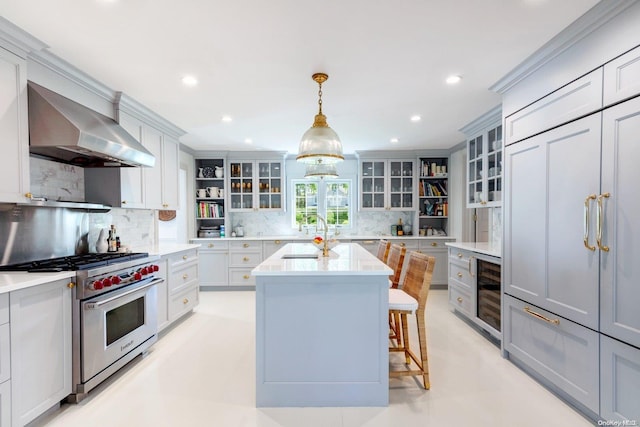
{"x":213,"y":268}
{"x":620,"y":293}
{"x":551,"y":175}
{"x":622,"y":77}
{"x":131,"y":184}
{"x":152,"y":141}
{"x":170,"y":168}
{"x":620,"y":380}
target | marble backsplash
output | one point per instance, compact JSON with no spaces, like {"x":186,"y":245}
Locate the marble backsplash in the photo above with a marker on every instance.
{"x":59,"y":181}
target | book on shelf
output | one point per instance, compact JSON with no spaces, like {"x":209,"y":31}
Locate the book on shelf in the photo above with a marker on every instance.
{"x":210,"y":210}
{"x":432,"y":189}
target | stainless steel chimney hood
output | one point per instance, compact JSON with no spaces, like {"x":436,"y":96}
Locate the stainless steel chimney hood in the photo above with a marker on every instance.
{"x":66,"y":131}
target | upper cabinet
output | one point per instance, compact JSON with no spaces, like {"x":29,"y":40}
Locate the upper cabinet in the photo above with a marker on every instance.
{"x":14,"y":129}
{"x":256,"y":185}
{"x":484,"y":160}
{"x":433,"y":194}
{"x":622,"y":77}
{"x":387,"y":184}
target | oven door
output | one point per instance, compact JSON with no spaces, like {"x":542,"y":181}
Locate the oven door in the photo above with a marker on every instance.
{"x":114,"y":324}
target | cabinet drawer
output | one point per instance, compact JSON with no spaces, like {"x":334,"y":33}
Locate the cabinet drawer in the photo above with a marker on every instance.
{"x":564,"y":353}
{"x":183,"y":258}
{"x":5,"y":352}
{"x":218,"y":245}
{"x":183,"y":302}
{"x":4,"y":308}
{"x":241,"y":277}
{"x":577,"y":99}
{"x":183,"y":277}
{"x":461,"y":274}
{"x":460,"y":299}
{"x":459,"y":256}
{"x":622,"y":77}
{"x":245,"y":259}
{"x":246,"y":245}
{"x":620,"y":379}
{"x":411,"y":245}
{"x":433,"y":244}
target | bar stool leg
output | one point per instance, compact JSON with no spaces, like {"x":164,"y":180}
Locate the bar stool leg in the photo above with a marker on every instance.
{"x":422,"y":337}
{"x":405,"y":338}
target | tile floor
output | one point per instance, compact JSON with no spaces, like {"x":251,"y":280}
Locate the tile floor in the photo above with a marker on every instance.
{"x":201,"y":373}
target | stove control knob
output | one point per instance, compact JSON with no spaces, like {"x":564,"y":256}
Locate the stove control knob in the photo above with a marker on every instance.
{"x":155,"y":267}
{"x":144,"y":271}
{"x":96,"y":285}
{"x":106,"y":281}
{"x":137,"y":276}
{"x":115,"y":280}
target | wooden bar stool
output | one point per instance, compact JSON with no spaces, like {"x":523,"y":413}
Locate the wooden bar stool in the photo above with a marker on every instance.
{"x":395,"y":260}
{"x":412,"y":298}
{"x":383,"y":250}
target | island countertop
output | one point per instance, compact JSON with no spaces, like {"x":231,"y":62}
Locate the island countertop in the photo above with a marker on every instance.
{"x":344,"y":259}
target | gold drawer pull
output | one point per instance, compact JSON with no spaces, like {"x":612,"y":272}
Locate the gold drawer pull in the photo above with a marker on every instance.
{"x":277,"y":242}
{"x":459,"y":255}
{"x":541,"y":317}
{"x":184,"y":257}
{"x":210,"y":245}
{"x":402,"y":244}
{"x":185,"y":276}
{"x":185,"y":301}
{"x":367,"y":242}
{"x":245,"y":259}
{"x":245,"y":245}
{"x":599,"y":216}
{"x":459,"y":274}
{"x":459,"y":299}
{"x":246,"y":277}
{"x":434,"y":244}
{"x":71,"y":285}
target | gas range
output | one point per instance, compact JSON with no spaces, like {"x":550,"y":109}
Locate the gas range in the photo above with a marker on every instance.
{"x":73,"y":262}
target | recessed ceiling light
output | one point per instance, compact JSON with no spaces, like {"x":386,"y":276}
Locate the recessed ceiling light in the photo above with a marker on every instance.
{"x":453,"y":79}
{"x":227,"y":119}
{"x":394,"y":140}
{"x":248,"y":141}
{"x":416,"y":118}
{"x":189,"y":81}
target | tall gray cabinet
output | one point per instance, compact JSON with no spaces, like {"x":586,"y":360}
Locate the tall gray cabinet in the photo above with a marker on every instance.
{"x":571,"y":237}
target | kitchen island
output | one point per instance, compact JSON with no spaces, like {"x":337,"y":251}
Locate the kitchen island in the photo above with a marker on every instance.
{"x":321,"y":328}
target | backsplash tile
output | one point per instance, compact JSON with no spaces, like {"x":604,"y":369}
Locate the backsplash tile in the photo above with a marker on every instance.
{"x":56,"y":181}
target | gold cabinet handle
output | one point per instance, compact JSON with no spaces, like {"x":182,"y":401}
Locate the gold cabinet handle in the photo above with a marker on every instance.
{"x":245,"y":259}
{"x":541,"y":317}
{"x":184,"y":257}
{"x":164,"y":205}
{"x":210,"y":245}
{"x":459,"y":255}
{"x":586,"y":222}
{"x":277,"y":242}
{"x":185,"y":301}
{"x":28,"y":195}
{"x":71,"y":285}
{"x":434,"y":244}
{"x":470,"y":259}
{"x":599,"y":217}
{"x":185,"y":276}
{"x":459,"y":299}
{"x":402,"y":244}
{"x":245,"y":245}
{"x":459,"y":274}
{"x":367,"y":242}
{"x":246,"y":277}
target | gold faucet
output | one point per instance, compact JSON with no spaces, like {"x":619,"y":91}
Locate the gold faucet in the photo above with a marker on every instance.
{"x":325,"y":241}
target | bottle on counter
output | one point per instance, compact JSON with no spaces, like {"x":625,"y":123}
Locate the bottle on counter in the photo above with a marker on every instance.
{"x":400,"y":232}
{"x":222,"y":231}
{"x":111,"y":240}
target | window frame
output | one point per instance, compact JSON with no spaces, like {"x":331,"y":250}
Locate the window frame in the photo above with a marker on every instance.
{"x":322,"y":207}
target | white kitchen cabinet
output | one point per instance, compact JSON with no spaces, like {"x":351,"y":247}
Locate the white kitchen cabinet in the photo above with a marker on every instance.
{"x":256,"y":185}
{"x":484,"y":160}
{"x":161,"y":181}
{"x":211,"y":195}
{"x":163,"y":294}
{"x":620,"y":380}
{"x":14,"y":129}
{"x":622,"y":77}
{"x":550,"y":178}
{"x":438,"y":250}
{"x":244,"y":255}
{"x":269,"y":247}
{"x":619,"y":290}
{"x":5,"y":404}
{"x":213,"y":268}
{"x":387,"y":184}
{"x":183,"y":283}
{"x":40,"y":349}
{"x":5,"y":362}
{"x":433,"y":194}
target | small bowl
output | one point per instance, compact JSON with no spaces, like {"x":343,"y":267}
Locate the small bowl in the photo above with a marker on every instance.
{"x":331,"y":244}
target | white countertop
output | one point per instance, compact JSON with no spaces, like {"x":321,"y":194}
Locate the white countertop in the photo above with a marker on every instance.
{"x":479,"y":247}
{"x":310,"y":236}
{"x":344,"y":259}
{"x":168,"y":248}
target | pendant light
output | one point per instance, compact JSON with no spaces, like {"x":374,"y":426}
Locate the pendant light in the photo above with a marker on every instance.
{"x":322,"y":170}
{"x":320,"y":145}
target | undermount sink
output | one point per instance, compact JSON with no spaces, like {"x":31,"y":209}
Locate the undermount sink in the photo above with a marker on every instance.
{"x":300,"y":256}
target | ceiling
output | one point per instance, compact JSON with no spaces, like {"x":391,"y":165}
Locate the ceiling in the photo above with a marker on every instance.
{"x":387,"y":60}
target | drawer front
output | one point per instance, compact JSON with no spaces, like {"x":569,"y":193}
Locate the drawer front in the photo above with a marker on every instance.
{"x":217,"y":245}
{"x":183,"y":302}
{"x":183,"y":258}
{"x":245,"y":259}
{"x":459,"y":256}
{"x":620,"y":379}
{"x":460,"y":299}
{"x":4,"y":308}
{"x":564,"y":353}
{"x":246,"y":245}
{"x":411,"y":245}
{"x":570,"y":102}
{"x":5,"y":351}
{"x":241,"y":277}
{"x":460,"y":273}
{"x":622,"y":77}
{"x":183,"y":277}
{"x":433,"y":244}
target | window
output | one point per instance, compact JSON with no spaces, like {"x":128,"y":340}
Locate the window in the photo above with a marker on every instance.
{"x":329,"y":198}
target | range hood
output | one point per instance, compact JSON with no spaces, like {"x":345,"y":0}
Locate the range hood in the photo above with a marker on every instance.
{"x":64,"y":130}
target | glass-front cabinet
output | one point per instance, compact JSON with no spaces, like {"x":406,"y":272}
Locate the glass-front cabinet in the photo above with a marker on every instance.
{"x":255,"y":185}
{"x":484,"y":161}
{"x":387,"y":184}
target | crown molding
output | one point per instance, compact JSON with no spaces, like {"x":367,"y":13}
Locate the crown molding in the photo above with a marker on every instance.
{"x":484,"y":121}
{"x":593,"y":19}
{"x":17,"y":40}
{"x":124,"y":102}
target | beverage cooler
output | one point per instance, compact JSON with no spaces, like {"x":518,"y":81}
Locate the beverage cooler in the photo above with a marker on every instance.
{"x":488,"y":293}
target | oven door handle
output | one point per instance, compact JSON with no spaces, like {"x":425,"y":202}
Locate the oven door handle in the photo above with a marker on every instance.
{"x":93,"y":305}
